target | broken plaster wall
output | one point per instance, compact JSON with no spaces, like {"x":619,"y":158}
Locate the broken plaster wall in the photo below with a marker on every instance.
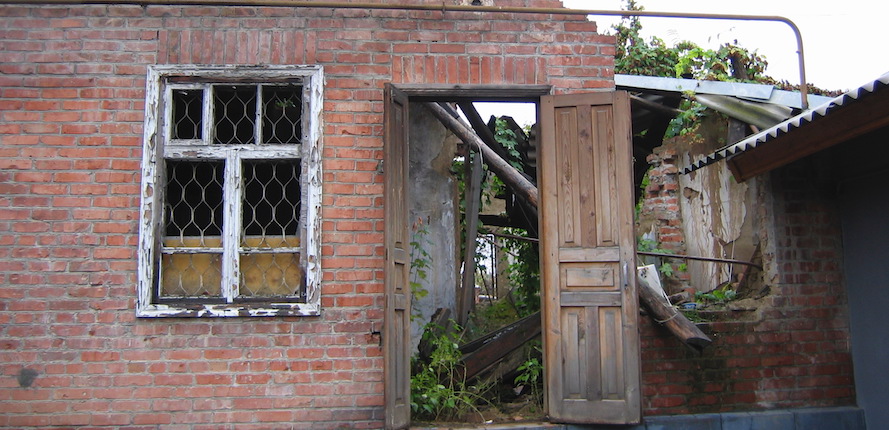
{"x":717,"y":223}
{"x":433,"y":212}
{"x":706,"y":213}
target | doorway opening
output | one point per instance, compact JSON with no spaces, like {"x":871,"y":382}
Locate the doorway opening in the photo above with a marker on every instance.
{"x":476,"y":349}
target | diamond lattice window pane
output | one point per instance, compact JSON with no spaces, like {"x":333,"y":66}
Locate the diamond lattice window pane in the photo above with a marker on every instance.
{"x":194,"y":200}
{"x":235,"y":114}
{"x":187,"y":121}
{"x":270,"y":209}
{"x":282,"y":119}
{"x":271,"y":275}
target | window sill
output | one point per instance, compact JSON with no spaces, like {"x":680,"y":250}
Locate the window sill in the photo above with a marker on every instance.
{"x":229,"y":310}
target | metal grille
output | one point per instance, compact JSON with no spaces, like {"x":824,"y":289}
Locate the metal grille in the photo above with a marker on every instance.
{"x":191,"y":275}
{"x":194,"y":199}
{"x":191,"y":257}
{"x":271,"y":203}
{"x":235,"y":114}
{"x":188,"y":115}
{"x":270,"y":211}
{"x":259,"y":254}
{"x":282,"y":119}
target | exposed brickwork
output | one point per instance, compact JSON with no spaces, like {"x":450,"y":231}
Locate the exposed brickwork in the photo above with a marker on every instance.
{"x":72,"y":85}
{"x":794,"y":351}
{"x":660,"y":209}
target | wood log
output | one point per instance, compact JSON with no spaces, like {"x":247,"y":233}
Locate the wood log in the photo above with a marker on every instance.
{"x":652,"y":296}
{"x":510,"y":176}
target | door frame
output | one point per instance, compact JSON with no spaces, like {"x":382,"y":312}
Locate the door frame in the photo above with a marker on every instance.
{"x":459,"y":93}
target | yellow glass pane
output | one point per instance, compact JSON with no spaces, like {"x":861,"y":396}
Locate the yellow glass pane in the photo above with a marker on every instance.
{"x":191,"y":275}
{"x":270,"y":275}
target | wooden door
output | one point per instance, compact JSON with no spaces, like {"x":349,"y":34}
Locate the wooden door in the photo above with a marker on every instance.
{"x":588,"y":268}
{"x":396,"y":332}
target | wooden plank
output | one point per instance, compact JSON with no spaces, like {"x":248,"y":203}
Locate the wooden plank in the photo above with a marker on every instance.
{"x":446,"y":92}
{"x":472,"y":198}
{"x":569,"y":255}
{"x":493,"y":347}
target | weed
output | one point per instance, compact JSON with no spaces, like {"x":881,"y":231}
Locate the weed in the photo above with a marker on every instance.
{"x":531,"y":374}
{"x":438,"y":389}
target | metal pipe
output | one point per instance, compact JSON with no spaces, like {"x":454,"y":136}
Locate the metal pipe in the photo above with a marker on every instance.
{"x":443,"y":7}
{"x":690,"y":257}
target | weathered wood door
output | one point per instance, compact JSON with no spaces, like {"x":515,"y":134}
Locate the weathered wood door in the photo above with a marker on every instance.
{"x":396,"y":333}
{"x":588,"y":268}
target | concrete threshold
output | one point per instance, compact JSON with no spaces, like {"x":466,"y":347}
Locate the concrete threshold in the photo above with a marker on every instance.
{"x":838,"y":418}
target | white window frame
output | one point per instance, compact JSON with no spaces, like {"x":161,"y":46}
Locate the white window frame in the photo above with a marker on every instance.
{"x":156,"y":145}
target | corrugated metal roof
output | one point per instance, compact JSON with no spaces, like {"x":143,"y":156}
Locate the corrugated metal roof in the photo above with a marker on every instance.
{"x":760,"y":93}
{"x":789,"y":125}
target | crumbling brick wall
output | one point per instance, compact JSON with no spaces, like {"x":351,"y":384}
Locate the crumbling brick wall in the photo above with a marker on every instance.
{"x":791,"y":346}
{"x":72,"y":78}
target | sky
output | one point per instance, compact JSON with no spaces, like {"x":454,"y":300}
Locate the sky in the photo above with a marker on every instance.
{"x":843,"y":41}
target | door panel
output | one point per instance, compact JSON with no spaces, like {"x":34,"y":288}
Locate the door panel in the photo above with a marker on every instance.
{"x":588,"y":259}
{"x":396,"y":333}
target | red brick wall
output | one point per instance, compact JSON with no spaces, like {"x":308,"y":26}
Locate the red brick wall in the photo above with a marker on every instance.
{"x":72,"y":82}
{"x":794,"y":351}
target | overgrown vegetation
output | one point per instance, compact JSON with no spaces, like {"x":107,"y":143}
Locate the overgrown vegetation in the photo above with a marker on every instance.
{"x":420,"y":261}
{"x":438,"y":390}
{"x":636,"y":55}
{"x":718,"y":296}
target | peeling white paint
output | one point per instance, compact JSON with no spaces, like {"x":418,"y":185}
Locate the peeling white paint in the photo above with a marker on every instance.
{"x":309,"y":152}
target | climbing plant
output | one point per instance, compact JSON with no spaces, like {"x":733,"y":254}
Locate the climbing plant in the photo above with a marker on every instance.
{"x":636,"y":55}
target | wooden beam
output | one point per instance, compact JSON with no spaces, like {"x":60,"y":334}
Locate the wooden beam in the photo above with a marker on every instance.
{"x":472,"y":196}
{"x":513,"y":179}
{"x":478,"y":93}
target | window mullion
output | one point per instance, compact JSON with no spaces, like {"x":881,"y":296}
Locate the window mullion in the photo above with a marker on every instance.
{"x":257,"y":130}
{"x":231,"y":231}
{"x":209,"y":114}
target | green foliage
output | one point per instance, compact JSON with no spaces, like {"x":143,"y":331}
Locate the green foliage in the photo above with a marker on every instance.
{"x":437,"y":391}
{"x":652,"y":57}
{"x":693,"y":315}
{"x":531,"y":373}
{"x":687,"y":121}
{"x":524,"y":273}
{"x":718,"y":296}
{"x":420,"y":261}
{"x":508,"y":139}
{"x":665,"y":268}
{"x":636,"y":55}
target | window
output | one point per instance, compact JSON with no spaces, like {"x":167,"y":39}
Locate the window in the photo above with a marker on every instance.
{"x":231,"y":192}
